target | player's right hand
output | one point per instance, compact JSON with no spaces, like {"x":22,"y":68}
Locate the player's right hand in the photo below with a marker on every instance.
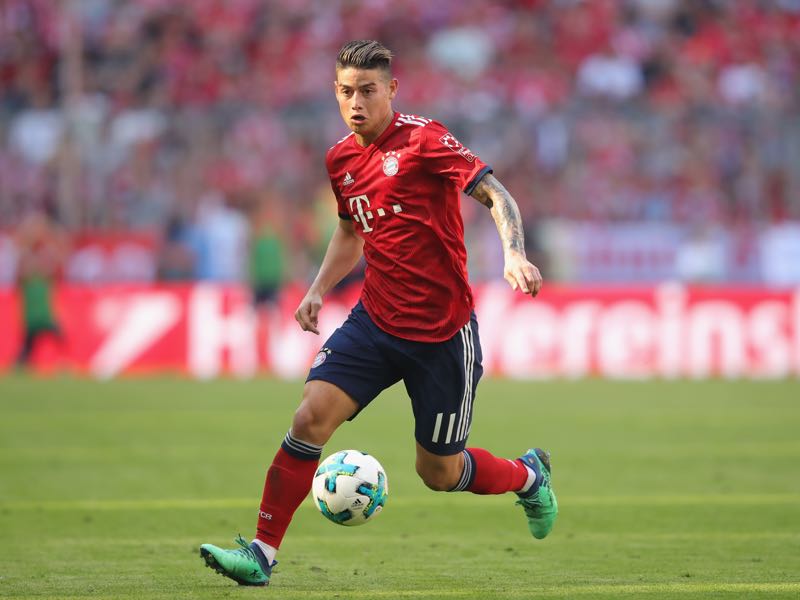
{"x":307,"y":314}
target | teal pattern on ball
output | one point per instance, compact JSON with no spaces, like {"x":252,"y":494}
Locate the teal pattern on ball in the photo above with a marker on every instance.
{"x":339,"y":517}
{"x":336,"y":459}
{"x":376,"y":494}
{"x":334,"y":469}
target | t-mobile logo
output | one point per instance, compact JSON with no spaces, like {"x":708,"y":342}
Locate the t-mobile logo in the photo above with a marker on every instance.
{"x":363,"y":216}
{"x":359,"y":208}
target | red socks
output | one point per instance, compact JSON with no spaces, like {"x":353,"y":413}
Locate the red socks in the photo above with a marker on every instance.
{"x":288,"y":483}
{"x":494,"y":475}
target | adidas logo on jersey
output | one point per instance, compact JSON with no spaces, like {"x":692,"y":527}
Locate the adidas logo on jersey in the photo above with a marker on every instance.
{"x":348,"y":180}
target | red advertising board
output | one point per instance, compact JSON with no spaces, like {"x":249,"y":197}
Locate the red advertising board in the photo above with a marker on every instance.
{"x":207,"y":330}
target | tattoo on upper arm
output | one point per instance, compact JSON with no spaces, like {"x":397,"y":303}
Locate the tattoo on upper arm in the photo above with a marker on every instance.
{"x":491,"y":193}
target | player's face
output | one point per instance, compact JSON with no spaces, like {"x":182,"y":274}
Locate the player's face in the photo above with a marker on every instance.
{"x":365,"y":101}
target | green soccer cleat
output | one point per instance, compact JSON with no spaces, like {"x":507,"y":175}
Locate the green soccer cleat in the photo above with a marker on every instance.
{"x":245,"y":565}
{"x":539,"y":503}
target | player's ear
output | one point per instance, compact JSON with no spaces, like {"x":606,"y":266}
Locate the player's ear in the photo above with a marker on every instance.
{"x":392,"y":88}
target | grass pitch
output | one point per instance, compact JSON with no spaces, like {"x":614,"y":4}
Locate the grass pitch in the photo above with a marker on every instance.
{"x":666,"y":490}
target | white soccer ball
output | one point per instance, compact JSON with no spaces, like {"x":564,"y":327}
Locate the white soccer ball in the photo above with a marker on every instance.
{"x":350,"y":487}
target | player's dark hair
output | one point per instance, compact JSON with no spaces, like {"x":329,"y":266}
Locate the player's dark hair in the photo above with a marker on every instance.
{"x":365,"y":54}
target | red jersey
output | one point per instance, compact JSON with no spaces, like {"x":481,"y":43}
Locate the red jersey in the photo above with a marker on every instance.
{"x":403,"y":192}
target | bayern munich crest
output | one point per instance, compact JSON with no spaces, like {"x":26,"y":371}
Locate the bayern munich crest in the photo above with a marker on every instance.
{"x":320,"y":357}
{"x":391,"y":163}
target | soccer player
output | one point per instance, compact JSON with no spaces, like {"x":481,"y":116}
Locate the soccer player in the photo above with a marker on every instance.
{"x":397,"y":180}
{"x":42,"y":248}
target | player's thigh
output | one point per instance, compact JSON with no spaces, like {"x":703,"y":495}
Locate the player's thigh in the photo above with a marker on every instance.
{"x":441,"y":382}
{"x":351,"y":362}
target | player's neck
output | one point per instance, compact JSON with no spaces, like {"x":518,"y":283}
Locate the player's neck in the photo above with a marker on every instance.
{"x":366,"y":140}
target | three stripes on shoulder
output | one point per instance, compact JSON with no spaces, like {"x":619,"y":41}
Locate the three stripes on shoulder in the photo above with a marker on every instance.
{"x":411,"y":120}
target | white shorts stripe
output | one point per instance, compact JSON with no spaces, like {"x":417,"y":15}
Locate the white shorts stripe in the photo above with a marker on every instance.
{"x":436,"y":428}
{"x":450,"y":428}
{"x":464,"y":395}
{"x":469,"y":357}
{"x":468,"y":420}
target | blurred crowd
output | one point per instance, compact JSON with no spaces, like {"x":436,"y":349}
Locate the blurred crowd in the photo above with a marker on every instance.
{"x":204,"y":124}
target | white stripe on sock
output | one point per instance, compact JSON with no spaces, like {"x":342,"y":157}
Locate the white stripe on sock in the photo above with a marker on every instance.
{"x":528,"y":482}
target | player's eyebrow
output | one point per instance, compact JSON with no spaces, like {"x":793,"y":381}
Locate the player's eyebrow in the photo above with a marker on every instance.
{"x":344,"y":86}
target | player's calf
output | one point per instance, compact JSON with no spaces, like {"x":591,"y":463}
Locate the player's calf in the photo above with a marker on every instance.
{"x":439,"y":473}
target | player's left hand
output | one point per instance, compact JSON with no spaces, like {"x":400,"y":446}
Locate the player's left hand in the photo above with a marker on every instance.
{"x":521,"y":274}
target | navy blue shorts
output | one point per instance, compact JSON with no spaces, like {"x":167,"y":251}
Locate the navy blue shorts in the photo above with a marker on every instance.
{"x":441,"y":377}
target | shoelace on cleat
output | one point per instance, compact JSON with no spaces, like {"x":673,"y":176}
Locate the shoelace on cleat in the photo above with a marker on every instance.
{"x":245,"y":549}
{"x":530,"y":503}
{"x":533,"y":502}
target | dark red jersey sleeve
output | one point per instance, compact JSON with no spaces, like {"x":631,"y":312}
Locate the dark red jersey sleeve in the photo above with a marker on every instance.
{"x":443,"y":155}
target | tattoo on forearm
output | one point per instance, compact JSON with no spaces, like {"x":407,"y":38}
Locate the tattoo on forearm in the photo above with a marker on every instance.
{"x":481,"y":192}
{"x":491,"y":193}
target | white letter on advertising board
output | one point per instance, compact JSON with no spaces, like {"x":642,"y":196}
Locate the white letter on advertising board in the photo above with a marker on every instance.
{"x":212,"y":332}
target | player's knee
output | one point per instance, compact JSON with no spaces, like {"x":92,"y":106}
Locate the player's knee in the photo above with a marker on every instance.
{"x":309,"y":425}
{"x":439,"y":478}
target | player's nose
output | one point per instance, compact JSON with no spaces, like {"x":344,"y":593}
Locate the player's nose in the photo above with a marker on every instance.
{"x":357,"y":101}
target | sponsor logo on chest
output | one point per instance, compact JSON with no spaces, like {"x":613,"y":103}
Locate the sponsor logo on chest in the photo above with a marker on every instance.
{"x":361,"y":207}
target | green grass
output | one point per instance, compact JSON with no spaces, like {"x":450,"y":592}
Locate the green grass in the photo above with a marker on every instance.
{"x":667,"y":490}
